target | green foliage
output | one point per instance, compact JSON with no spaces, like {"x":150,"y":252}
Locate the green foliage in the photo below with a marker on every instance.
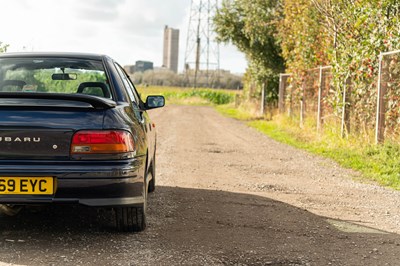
{"x":47,"y":84}
{"x":362,"y":29}
{"x":237,"y":113}
{"x":347,"y":34}
{"x":213,"y":96}
{"x":44,"y":82}
{"x":378,"y":163}
{"x":179,"y":95}
{"x":251,"y":26}
{"x":3,"y":47}
{"x":211,"y":78}
{"x":390,"y":80}
{"x":302,"y":36}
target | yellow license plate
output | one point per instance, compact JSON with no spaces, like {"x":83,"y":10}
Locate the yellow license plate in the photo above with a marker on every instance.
{"x":27,"y":185}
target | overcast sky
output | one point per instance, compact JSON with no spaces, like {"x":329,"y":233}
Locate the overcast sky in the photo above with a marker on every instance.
{"x":126,"y":30}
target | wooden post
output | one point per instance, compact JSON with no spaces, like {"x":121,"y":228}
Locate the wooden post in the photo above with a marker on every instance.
{"x":290,"y":111}
{"x":303,"y":103}
{"x":237,"y":103}
{"x":262,"y":109}
{"x":345,"y":128}
{"x":282,"y":81}
{"x":380,"y":110}
{"x":319,"y":116}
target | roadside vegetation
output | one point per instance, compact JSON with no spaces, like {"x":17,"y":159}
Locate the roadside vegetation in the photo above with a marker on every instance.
{"x":379,"y":163}
{"x":375,"y":162}
{"x":3,"y":47}
{"x":294,"y":36}
{"x":221,"y":79}
{"x":200,"y":96}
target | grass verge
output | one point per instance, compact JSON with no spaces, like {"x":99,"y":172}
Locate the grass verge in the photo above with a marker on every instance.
{"x":199,"y":96}
{"x":374,"y":162}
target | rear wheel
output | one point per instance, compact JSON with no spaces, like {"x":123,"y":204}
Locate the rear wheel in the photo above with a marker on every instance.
{"x":131,"y":219}
{"x":152,"y":175}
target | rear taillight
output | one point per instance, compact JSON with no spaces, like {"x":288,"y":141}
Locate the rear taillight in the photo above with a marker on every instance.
{"x":102,"y":142}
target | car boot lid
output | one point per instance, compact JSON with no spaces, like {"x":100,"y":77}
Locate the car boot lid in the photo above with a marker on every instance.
{"x":47,"y":99}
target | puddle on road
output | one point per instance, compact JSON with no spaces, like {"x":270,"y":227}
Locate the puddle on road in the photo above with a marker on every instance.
{"x":348,"y":227}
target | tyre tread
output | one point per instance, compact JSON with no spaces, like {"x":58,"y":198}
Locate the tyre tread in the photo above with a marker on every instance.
{"x":152,"y":182}
{"x":130,"y":219}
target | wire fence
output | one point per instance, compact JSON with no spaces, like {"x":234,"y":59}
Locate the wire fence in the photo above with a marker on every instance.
{"x":308,"y":99}
{"x":314,"y":101}
{"x":388,"y":103}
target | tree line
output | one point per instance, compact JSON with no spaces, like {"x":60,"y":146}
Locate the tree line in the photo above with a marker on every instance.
{"x":296,"y":35}
{"x":3,"y":47}
{"x":211,"y":79}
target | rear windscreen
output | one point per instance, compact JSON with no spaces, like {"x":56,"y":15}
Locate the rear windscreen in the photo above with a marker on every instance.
{"x":54,"y":75}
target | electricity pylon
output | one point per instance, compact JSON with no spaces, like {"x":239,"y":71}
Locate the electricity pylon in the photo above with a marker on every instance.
{"x":202,"y":51}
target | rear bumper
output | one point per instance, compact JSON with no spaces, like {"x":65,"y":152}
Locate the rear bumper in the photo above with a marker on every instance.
{"x":94,"y":183}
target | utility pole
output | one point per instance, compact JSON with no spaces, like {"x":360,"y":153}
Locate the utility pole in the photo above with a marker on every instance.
{"x":202,"y":51}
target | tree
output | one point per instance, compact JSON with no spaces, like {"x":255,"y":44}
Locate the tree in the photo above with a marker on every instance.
{"x":361,"y":30}
{"x":304,"y":40}
{"x":251,"y":26}
{"x":3,"y":47}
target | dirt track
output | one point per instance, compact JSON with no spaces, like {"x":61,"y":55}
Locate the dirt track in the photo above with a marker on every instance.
{"x":226,"y":195}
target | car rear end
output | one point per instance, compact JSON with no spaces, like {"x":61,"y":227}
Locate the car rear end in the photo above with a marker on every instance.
{"x":54,"y":144}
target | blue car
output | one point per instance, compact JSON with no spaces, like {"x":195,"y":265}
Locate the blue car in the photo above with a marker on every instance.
{"x":73,"y":129}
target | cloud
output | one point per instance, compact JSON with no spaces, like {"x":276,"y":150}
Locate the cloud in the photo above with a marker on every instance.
{"x":127,"y":30}
{"x":149,"y":17}
{"x":98,"y":10}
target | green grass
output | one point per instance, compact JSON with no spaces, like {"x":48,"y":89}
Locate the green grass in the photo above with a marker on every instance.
{"x":199,"y":96}
{"x":379,"y":163}
{"x":375,"y":162}
{"x":237,"y":113}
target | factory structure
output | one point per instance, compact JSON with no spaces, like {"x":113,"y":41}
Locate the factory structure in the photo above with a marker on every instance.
{"x":171,"y":49}
{"x":170,"y":54}
{"x":201,"y":65}
{"x":139,"y":66}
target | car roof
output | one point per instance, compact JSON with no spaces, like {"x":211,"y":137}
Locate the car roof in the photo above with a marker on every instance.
{"x":54,"y":54}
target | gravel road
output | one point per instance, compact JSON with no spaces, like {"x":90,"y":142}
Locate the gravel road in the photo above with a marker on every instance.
{"x":226,"y":195}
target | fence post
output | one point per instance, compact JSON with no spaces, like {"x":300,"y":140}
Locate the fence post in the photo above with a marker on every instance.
{"x":380,"y":110}
{"x":281,"y":94}
{"x":290,"y":111}
{"x":262,"y":109}
{"x":345,"y":128}
{"x":319,"y":116}
{"x":237,"y":103}
{"x":303,"y":103}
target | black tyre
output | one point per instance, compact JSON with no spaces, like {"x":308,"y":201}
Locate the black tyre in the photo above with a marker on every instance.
{"x":131,"y":219}
{"x":152,"y":182}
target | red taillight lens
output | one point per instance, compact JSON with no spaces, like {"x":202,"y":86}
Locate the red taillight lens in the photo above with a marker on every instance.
{"x":104,"y":141}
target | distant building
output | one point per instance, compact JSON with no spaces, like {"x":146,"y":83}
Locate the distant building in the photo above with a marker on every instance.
{"x":129,"y":69}
{"x":142,"y":66}
{"x":171,"y":48}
